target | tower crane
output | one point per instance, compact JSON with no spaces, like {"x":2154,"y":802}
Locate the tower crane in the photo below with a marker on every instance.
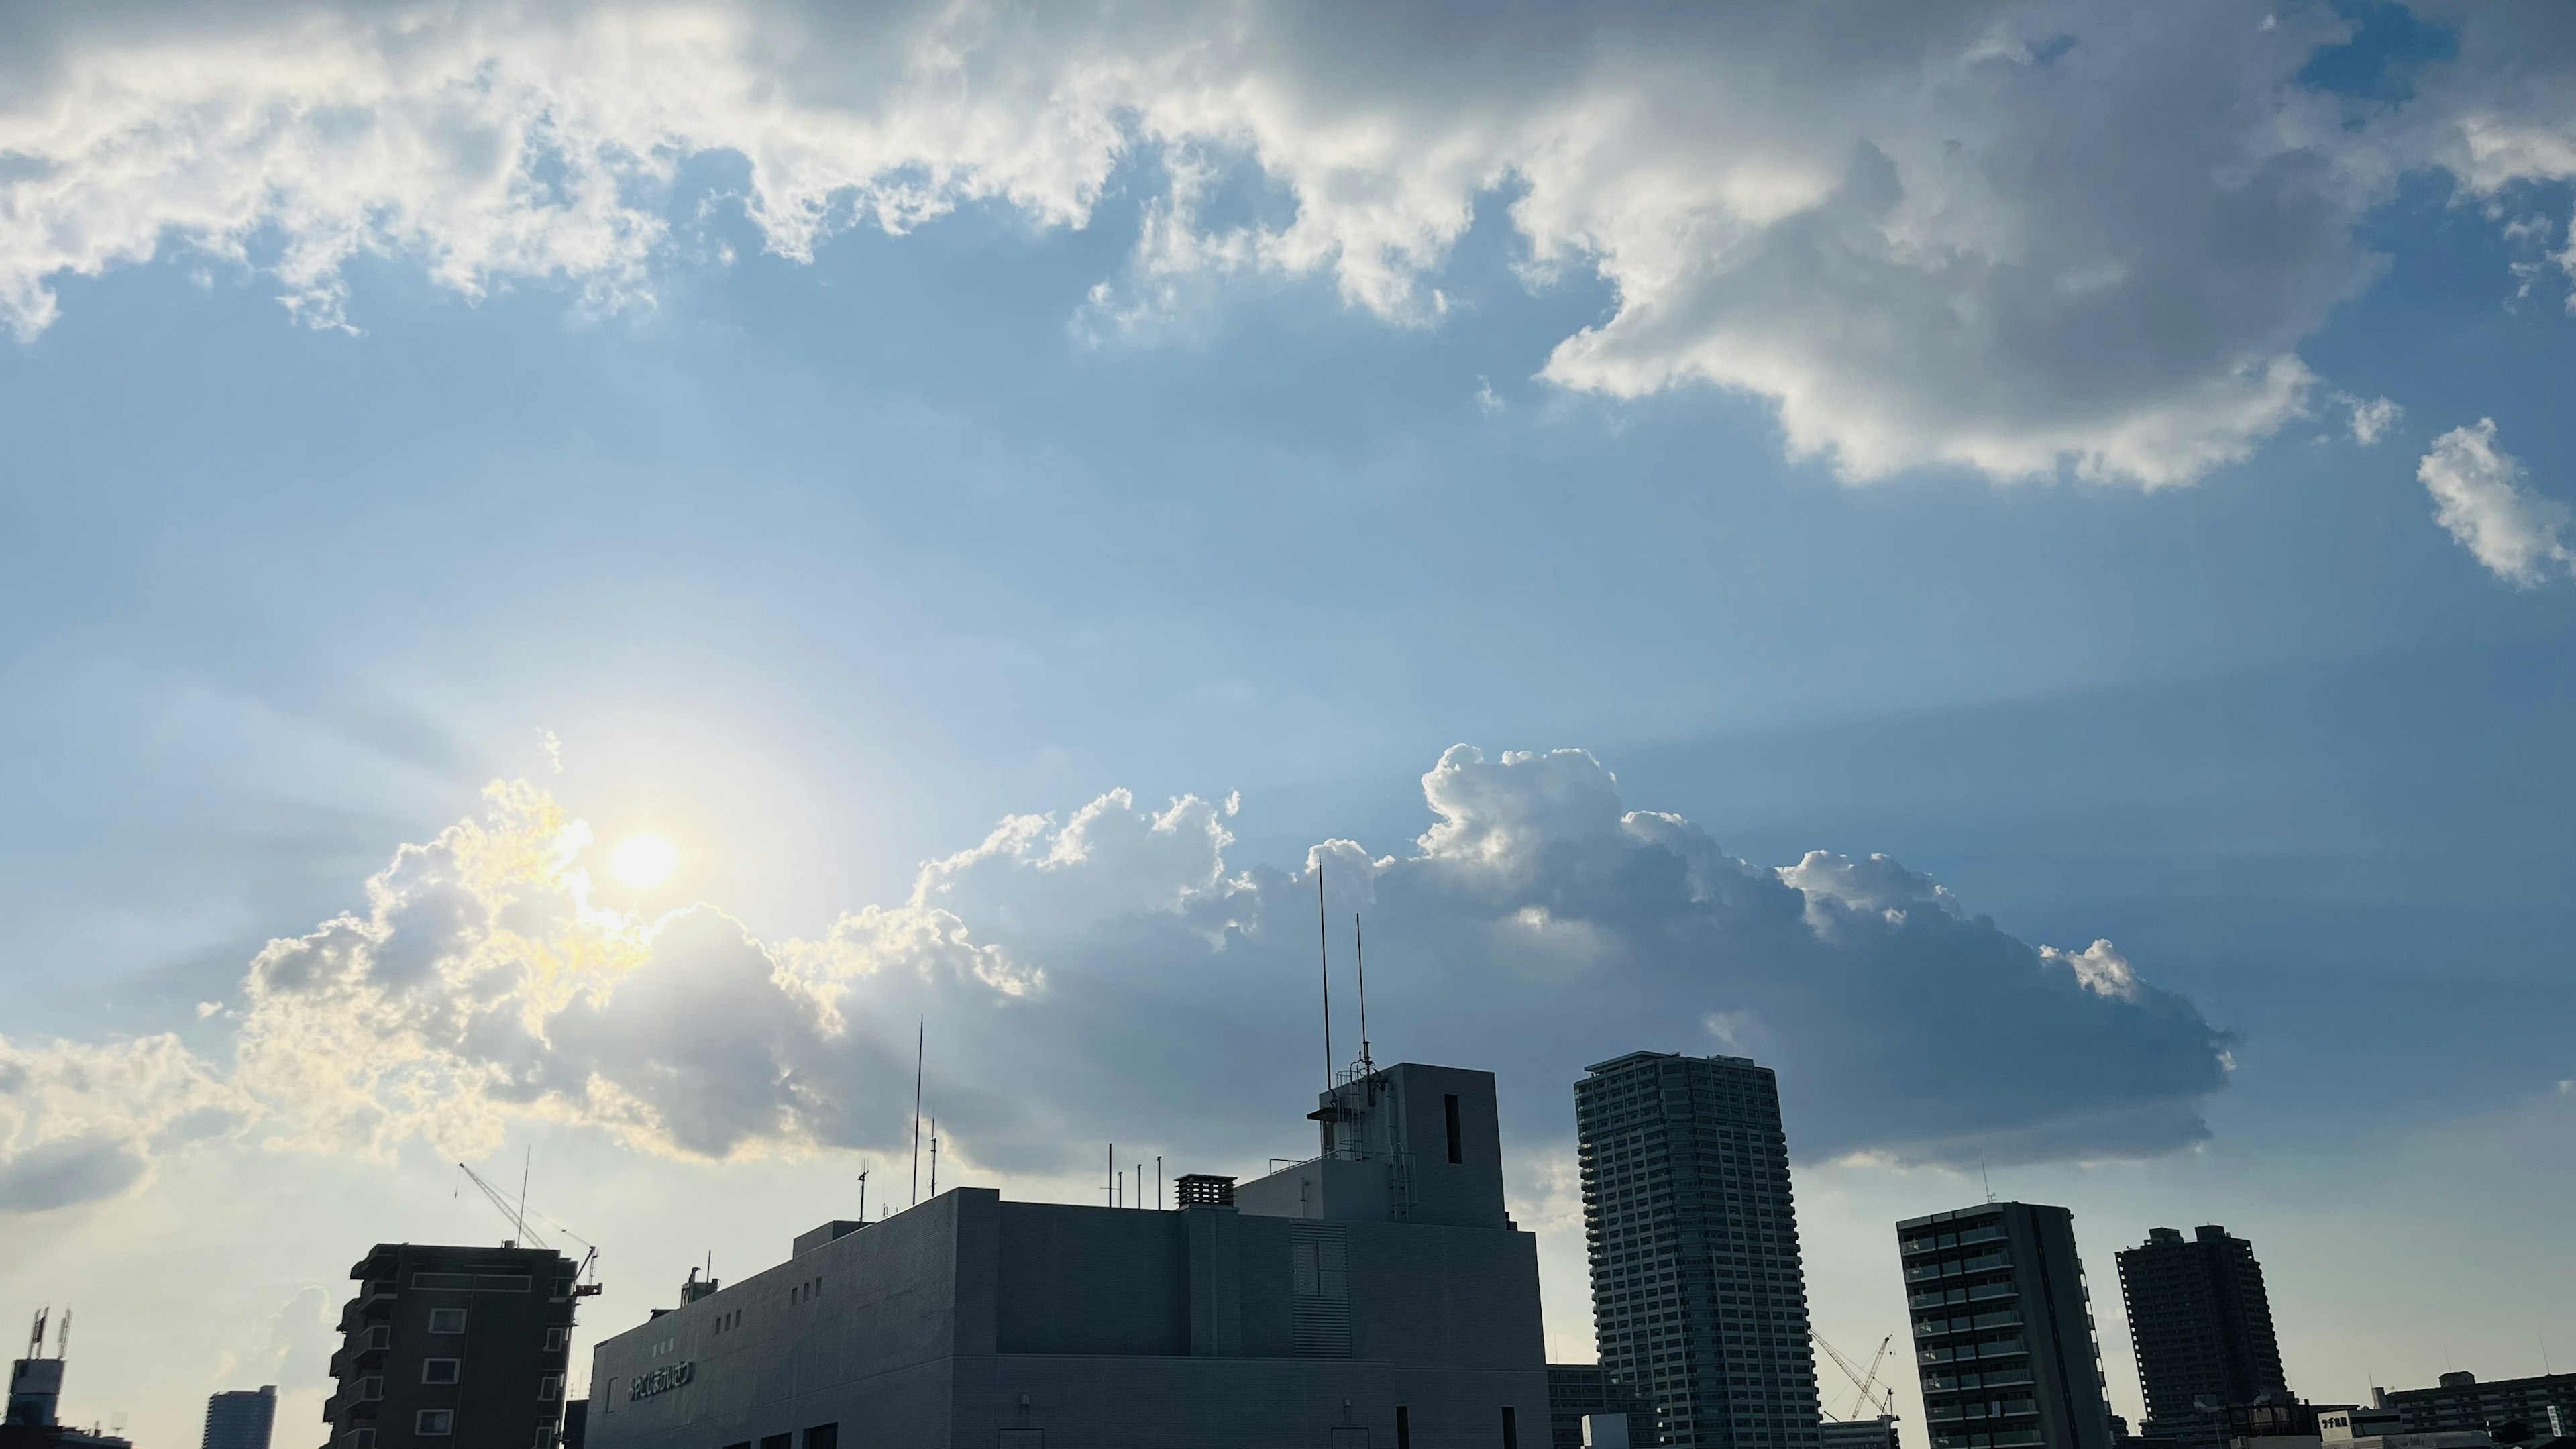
{"x":517,"y":1213}
{"x":1884,"y":1402}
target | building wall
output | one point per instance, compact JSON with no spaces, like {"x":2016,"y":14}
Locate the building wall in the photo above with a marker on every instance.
{"x":240,"y":1419}
{"x":511,"y":1387}
{"x":1102,"y":1327}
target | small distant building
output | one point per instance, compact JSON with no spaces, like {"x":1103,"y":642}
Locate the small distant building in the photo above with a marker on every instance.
{"x":1378,"y":1296}
{"x":2545,"y":1405}
{"x":447,"y":1346}
{"x":1878,"y":1433}
{"x":1581,"y":1396}
{"x":241,"y":1418}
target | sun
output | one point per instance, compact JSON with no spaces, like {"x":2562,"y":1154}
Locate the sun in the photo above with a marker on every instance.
{"x":643,"y":860}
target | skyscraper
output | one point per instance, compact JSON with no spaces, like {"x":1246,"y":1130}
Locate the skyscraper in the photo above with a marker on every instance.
{"x":2203,"y":1328}
{"x":240,"y":1418}
{"x":1698,"y":1298}
{"x":2003,"y":1334}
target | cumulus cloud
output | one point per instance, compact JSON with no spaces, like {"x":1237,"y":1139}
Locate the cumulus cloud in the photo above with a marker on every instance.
{"x":2017,"y":238}
{"x":2371,"y":419}
{"x":1067,"y":966}
{"x":2478,"y":495}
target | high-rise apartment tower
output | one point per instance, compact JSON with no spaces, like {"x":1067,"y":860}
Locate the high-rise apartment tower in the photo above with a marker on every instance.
{"x":241,"y":1418}
{"x":2003,"y":1329}
{"x":2203,"y":1328}
{"x":1698,"y":1298}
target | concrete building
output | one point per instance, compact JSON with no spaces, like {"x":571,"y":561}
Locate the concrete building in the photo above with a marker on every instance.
{"x":2202,"y":1324}
{"x":448,"y":1345}
{"x":1581,"y":1402}
{"x":1698,"y":1293}
{"x":1877,"y":1433}
{"x":240,"y":1418}
{"x":2003,"y":1329}
{"x":1376,"y":1296}
{"x":2545,"y":1405}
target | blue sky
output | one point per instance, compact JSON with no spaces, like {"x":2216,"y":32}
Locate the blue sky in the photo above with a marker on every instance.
{"x":2012,"y":444}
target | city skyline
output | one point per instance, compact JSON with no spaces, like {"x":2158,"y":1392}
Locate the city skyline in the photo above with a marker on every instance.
{"x":580,"y":579}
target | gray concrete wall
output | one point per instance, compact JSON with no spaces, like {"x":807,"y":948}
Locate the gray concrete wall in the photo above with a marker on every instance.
{"x":1122,"y":1327}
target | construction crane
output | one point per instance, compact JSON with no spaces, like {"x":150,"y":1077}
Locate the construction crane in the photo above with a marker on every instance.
{"x":517,"y":1213}
{"x":1884,"y":1403}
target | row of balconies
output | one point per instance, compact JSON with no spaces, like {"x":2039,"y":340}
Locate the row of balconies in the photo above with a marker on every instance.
{"x":1933,"y":1243}
{"x":1956,"y":1410}
{"x":1953,"y":1353}
{"x":1957,"y":1267}
{"x":1973,"y":1293}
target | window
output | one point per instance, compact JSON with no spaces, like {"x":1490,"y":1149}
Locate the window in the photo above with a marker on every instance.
{"x":440,"y":1370}
{"x":434,"y":1422}
{"x":823,"y":1436}
{"x":558,"y":1339}
{"x":1511,"y":1429}
{"x":1449,"y":1105}
{"x":1403,"y":1427}
{"x":550,"y":1388}
{"x":447,"y":1320}
{"x":779,"y":1441}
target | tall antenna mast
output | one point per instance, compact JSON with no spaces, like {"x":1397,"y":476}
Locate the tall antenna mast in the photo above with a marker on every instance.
{"x":920,"y":1048}
{"x":63,"y":1335}
{"x":1324,"y":954}
{"x":1988,"y":1181}
{"x":1359,"y":948}
{"x":934,"y":1156}
{"x":863,"y":1194}
{"x":519,"y":1222}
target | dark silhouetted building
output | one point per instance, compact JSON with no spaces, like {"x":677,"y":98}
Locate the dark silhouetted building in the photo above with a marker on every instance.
{"x":1580,"y":1391}
{"x":241,"y":1418}
{"x":1874,"y":1433}
{"x":35,"y":1396}
{"x":2202,"y":1325}
{"x":1699,"y":1299}
{"x":453,"y":1346}
{"x":2003,"y":1329}
{"x":2546,"y":1405}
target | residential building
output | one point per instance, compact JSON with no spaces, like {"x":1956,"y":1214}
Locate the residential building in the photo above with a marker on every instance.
{"x":1581,"y":1392}
{"x":2003,"y":1329}
{"x":1379,"y":1295}
{"x":2546,"y":1404}
{"x":1698,"y":1293}
{"x":2202,"y":1325}
{"x":240,"y":1418}
{"x":453,"y":1345}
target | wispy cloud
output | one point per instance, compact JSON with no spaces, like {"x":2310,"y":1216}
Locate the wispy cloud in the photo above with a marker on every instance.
{"x":2478,"y":495}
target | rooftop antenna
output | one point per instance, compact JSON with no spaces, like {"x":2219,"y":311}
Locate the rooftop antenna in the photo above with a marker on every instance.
{"x":934,"y":1155}
{"x":1987,"y":1180}
{"x":63,"y":1334}
{"x":920,"y":1049}
{"x":863,"y":1194}
{"x":519,"y":1223}
{"x":1109,"y":1178}
{"x":1359,"y":948}
{"x":1324,"y":953}
{"x":36,"y":1335}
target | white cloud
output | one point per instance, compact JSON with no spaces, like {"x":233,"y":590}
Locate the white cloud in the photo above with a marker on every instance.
{"x":2479,"y":496}
{"x":2371,"y":419}
{"x":2015,"y":238}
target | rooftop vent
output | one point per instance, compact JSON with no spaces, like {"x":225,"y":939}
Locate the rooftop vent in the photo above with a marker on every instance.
{"x":1199,"y":1189}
